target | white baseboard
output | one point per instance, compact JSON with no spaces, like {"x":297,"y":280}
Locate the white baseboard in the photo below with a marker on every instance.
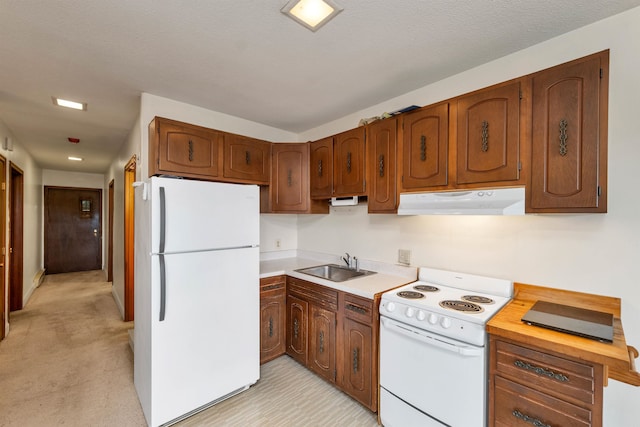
{"x":119,"y":303}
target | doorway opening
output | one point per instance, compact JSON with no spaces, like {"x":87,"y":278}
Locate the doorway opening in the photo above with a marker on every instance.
{"x":129,"y":217}
{"x":16,"y":235}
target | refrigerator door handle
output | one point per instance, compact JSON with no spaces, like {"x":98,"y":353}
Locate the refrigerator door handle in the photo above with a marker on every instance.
{"x":163,"y":280}
{"x":163,"y":287}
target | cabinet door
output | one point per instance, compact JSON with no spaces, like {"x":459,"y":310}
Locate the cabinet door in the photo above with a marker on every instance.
{"x":185,"y":150}
{"x":381,"y":166}
{"x":358,"y":369}
{"x":349,"y":163}
{"x":246,"y":159}
{"x":297,"y":328}
{"x":425,"y":147}
{"x":272,"y":318}
{"x":322,"y":335}
{"x":321,"y":168}
{"x":488,"y":135}
{"x":569,"y":136}
{"x":289,"y":178}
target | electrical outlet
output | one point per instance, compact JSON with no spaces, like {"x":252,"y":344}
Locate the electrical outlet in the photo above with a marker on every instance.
{"x":404,"y":256}
{"x":277,"y":243}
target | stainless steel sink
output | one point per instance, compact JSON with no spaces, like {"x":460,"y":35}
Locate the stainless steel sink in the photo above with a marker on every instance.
{"x":334,"y":272}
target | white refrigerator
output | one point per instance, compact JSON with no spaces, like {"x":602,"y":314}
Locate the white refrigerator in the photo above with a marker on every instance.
{"x":196,"y":326}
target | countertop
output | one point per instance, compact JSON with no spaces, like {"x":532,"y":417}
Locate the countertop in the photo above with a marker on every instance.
{"x":616,"y":357}
{"x":386,"y":277}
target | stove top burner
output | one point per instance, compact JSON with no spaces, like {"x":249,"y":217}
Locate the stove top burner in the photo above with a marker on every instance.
{"x":478,"y":299}
{"x":468,"y":307}
{"x":410,"y":294}
{"x":426,"y":288}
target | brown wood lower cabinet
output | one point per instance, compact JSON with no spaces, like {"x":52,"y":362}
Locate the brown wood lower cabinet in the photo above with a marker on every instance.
{"x":533,"y":387}
{"x":272,"y":317}
{"x":334,"y":334}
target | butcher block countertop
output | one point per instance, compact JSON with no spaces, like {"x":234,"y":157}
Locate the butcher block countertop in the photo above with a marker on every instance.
{"x":617,"y":357}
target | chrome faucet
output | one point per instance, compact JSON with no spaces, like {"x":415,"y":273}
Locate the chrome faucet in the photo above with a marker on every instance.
{"x":352,"y":262}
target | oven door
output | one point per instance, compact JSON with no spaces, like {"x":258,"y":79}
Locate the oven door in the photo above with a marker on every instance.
{"x":430,"y":377}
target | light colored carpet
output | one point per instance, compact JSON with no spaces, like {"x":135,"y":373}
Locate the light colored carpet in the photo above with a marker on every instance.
{"x":67,"y":361}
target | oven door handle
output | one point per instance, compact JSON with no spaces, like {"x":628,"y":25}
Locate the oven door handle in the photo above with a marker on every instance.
{"x":425,"y":338}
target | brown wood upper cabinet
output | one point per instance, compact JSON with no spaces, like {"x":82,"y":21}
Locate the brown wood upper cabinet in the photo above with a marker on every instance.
{"x":321,"y":168}
{"x":569,"y":137}
{"x":425,"y":148}
{"x":288,"y":191}
{"x":181,"y":149}
{"x":246,"y":159}
{"x":381,"y":166}
{"x":349,"y":163}
{"x":488,"y":143}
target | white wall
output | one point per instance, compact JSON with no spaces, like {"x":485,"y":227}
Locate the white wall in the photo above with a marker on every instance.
{"x":589,"y":253}
{"x":32,"y":221}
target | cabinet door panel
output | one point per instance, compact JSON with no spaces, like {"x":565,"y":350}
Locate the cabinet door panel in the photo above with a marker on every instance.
{"x":488,"y":135}
{"x":322,"y":334}
{"x":272,"y":323}
{"x":321,"y":168}
{"x":297,"y":328}
{"x":381,"y":165}
{"x":349,"y":163}
{"x":425,"y":148}
{"x":358,"y":373}
{"x":289,"y":177}
{"x":566,"y":140}
{"x":247,"y":159}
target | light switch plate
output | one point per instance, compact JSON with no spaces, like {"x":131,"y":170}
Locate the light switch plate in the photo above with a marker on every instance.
{"x":404,"y":256}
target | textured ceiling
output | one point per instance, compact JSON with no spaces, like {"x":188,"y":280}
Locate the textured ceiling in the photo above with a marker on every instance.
{"x":243,"y":58}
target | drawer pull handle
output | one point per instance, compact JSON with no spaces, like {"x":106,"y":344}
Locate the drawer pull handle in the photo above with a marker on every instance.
{"x":321,"y":339}
{"x":349,"y":161}
{"x":190,"y":150}
{"x":356,"y":308}
{"x":423,"y":148}
{"x":381,"y":166}
{"x":541,"y":371}
{"x":270,"y":326}
{"x":562,"y":148}
{"x":356,"y":356}
{"x":319,"y":167}
{"x":269,"y":287}
{"x":526,"y":418}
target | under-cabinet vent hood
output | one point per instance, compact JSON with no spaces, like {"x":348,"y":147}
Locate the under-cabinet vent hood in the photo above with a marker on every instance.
{"x":494,"y":201}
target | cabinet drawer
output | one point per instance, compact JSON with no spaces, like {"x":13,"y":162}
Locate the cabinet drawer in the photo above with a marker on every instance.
{"x":319,"y":295}
{"x":272,"y":284}
{"x":357,"y":308}
{"x":520,"y":406}
{"x":546,"y":372}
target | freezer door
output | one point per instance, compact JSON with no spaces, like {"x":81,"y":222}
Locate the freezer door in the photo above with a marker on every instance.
{"x":200,"y":215}
{"x":208,"y":344}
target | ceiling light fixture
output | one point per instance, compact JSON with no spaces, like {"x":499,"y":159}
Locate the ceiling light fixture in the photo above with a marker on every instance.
{"x":75,"y":159}
{"x":69,"y":104}
{"x":313,"y":14}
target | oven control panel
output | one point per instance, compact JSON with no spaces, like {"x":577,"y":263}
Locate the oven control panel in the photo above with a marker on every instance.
{"x":448,"y":326}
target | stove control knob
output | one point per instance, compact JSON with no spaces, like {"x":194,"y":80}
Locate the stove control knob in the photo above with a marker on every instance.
{"x":433,"y":319}
{"x":421,"y":315}
{"x":445,"y":322}
{"x":410,"y":311}
{"x":391,"y":306}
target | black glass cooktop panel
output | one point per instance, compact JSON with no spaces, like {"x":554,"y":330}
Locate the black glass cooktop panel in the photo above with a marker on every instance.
{"x":572,"y":320}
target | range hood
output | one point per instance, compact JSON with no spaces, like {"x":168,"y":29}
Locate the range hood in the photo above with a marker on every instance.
{"x":492,"y":201}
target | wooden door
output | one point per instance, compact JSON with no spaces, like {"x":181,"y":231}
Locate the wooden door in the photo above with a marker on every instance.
{"x":3,"y":224}
{"x":349,"y":163}
{"x":321,"y":168}
{"x":381,"y":166}
{"x":488,"y":140}
{"x":16,"y":236}
{"x":129,"y":235}
{"x":569,"y":136}
{"x":425,"y":148}
{"x":322,"y":343}
{"x":73,"y":229}
{"x":110,"y":238}
{"x":297,"y":314}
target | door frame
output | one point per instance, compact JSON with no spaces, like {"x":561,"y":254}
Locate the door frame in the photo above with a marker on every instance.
{"x":129,"y":218}
{"x":16,"y":236}
{"x":4,"y":306}
{"x":110,"y":235}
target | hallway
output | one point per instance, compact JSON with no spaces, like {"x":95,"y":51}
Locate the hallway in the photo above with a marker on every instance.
{"x":67,"y":362}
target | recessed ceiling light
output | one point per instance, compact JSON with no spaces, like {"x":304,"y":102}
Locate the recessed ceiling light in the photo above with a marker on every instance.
{"x":75,"y":159}
{"x":69,"y":104}
{"x":313,"y":14}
